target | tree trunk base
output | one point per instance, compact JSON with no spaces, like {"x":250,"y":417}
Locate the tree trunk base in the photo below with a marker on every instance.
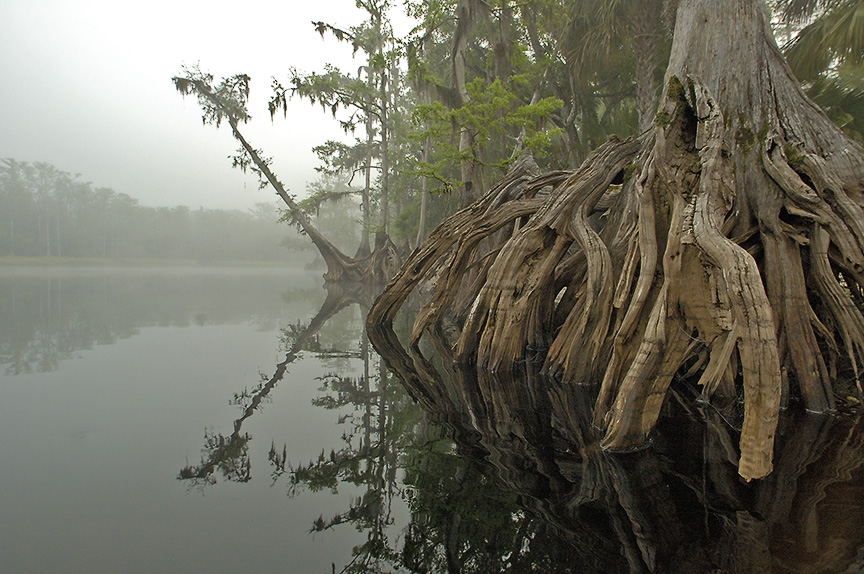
{"x":645,"y":265}
{"x":376,"y":267}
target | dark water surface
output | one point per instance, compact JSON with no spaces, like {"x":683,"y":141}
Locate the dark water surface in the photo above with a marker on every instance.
{"x":238,"y":421}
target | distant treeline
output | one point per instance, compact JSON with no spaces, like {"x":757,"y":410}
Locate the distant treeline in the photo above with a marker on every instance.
{"x":47,"y":212}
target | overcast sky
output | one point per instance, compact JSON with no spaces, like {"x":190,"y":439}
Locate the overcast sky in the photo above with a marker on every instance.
{"x":86,"y":86}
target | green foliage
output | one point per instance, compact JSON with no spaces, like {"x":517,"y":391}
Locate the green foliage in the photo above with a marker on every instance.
{"x":825,"y":49}
{"x":331,"y":200}
{"x":369,"y":100}
{"x":226,"y":100}
{"x":442,"y":202}
{"x":540,"y":74}
{"x":332,"y":91}
{"x":834,"y":33}
{"x":496,"y":114}
{"x":841,"y":95}
{"x":554,"y":77}
{"x":494,"y":108}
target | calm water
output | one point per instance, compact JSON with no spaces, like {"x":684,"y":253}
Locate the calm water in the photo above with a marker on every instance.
{"x":225,"y":421}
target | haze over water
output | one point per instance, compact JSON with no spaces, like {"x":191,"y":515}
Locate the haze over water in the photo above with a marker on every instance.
{"x":147,"y":428}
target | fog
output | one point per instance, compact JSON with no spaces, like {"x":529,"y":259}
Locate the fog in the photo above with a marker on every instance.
{"x":87,"y":87}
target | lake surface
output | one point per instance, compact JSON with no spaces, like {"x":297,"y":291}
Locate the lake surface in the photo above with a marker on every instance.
{"x":236,"y":420}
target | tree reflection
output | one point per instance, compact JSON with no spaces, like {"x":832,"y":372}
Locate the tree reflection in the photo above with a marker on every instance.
{"x":504,"y":474}
{"x":230,"y":455}
{"x":48,"y":316}
{"x":678,"y":506}
{"x":375,"y":443}
{"x":460,"y":520}
{"x":388,"y":457}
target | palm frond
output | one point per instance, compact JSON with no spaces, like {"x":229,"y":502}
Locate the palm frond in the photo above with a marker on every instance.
{"x":837,"y":34}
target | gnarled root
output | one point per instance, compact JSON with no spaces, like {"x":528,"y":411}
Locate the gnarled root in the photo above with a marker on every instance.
{"x":675,"y":253}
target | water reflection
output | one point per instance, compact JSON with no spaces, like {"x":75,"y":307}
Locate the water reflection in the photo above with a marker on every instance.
{"x":678,"y":506}
{"x":49,"y":315}
{"x":508,"y":480}
{"x":449,"y":470}
{"x":422,"y":507}
{"x":230,"y":455}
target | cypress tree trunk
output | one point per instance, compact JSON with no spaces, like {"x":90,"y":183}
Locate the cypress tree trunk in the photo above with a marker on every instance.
{"x":646,"y":25}
{"x":724,"y":246}
{"x":466,"y":11}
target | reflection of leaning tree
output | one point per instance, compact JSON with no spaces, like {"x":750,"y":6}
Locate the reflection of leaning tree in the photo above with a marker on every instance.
{"x":226,"y":101}
{"x":229,"y":455}
{"x":460,"y":521}
{"x":726,"y":243}
{"x":370,"y":457}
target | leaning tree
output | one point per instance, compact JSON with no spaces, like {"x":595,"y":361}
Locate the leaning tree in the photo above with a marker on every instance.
{"x":226,"y":101}
{"x":725,"y":245}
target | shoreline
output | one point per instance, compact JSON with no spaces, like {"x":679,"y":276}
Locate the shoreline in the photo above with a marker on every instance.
{"x":33,"y":266}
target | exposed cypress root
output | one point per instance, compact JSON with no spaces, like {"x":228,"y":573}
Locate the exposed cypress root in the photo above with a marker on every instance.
{"x":709,"y":247}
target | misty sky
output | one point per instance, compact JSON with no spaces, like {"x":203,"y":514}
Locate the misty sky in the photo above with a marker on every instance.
{"x":86,"y":86}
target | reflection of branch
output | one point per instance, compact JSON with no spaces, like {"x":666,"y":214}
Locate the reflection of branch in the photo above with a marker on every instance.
{"x":371,"y":457}
{"x":347,"y":392}
{"x":356,"y":464}
{"x":230,"y":454}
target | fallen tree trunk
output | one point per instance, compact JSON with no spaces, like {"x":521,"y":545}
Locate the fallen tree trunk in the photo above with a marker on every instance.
{"x":725,"y":245}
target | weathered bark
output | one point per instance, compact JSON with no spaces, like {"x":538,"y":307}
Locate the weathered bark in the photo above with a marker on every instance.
{"x":677,"y":506}
{"x":726,"y":243}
